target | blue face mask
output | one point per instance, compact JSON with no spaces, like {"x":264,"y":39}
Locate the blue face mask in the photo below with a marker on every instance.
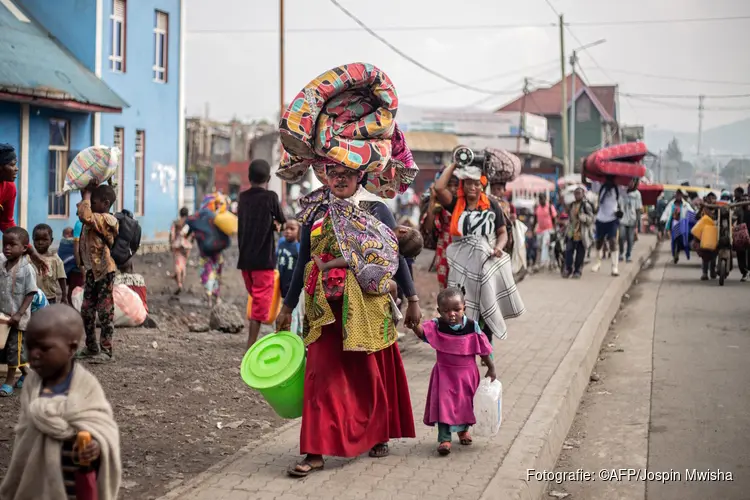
{"x":460,"y":326}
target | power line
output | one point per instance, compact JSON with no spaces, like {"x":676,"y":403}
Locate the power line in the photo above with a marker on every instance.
{"x":672,"y":105}
{"x":674,"y":78}
{"x":482,"y":80}
{"x":480,"y":27}
{"x":515,"y":91}
{"x":685,"y":96}
{"x":408,"y":57}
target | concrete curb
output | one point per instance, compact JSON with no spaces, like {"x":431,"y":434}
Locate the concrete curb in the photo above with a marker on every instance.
{"x":540,"y":441}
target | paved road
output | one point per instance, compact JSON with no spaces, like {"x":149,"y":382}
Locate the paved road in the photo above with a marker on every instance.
{"x":700,"y":409}
{"x":536,"y":345}
{"x":673,"y":394}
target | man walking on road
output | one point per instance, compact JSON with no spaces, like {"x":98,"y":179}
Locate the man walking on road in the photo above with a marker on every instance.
{"x":607,"y":220}
{"x":631,"y":206}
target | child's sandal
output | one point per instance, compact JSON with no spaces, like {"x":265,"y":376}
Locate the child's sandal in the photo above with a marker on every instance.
{"x":465,"y":438}
{"x":19,"y":382}
{"x":6,"y":391}
{"x":444,"y":448}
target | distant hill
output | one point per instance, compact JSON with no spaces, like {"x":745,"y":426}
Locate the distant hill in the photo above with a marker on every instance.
{"x":731,"y":139}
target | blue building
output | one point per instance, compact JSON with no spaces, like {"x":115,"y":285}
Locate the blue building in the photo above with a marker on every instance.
{"x":74,"y":73}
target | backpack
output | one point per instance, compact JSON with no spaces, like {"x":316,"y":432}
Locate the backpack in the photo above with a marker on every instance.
{"x":128,"y":238}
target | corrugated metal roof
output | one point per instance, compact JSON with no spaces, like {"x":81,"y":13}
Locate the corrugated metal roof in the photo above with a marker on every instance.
{"x":34,"y":64}
{"x":437,"y":142}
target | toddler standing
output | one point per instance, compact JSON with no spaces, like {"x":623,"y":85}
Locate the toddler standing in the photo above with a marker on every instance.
{"x":17,"y":290}
{"x":455,"y":376}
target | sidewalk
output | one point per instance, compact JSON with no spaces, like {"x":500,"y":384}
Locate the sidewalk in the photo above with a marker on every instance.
{"x":544,"y":366}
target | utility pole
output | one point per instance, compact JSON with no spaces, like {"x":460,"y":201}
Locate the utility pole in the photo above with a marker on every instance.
{"x":564,"y":111}
{"x":701,"y":98}
{"x":282,"y":107}
{"x":572,"y":161}
{"x":522,"y":123}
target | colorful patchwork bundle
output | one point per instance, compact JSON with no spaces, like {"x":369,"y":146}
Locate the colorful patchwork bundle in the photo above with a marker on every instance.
{"x":95,"y":162}
{"x":346,"y":117}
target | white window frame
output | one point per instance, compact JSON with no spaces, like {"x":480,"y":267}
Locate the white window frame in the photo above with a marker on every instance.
{"x":161,"y":46}
{"x":61,"y":168}
{"x":139,"y":180}
{"x":118,"y":18}
{"x":119,"y":141}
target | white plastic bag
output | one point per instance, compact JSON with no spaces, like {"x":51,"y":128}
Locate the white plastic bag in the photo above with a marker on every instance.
{"x":488,"y":408}
{"x":518,"y":257}
{"x":4,"y":330}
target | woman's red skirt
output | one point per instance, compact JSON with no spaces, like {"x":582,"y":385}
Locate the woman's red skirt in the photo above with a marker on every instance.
{"x":353,"y":400}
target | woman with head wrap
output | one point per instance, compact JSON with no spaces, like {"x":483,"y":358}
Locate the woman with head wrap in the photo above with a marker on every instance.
{"x":356,"y":395}
{"x":477,"y":261}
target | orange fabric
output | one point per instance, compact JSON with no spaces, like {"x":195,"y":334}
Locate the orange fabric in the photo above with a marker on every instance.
{"x":482,"y":204}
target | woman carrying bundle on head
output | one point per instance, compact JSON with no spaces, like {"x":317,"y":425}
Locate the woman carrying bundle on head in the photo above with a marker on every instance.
{"x":476,"y":257}
{"x":356,"y":395}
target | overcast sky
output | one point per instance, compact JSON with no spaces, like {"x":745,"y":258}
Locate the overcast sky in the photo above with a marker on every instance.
{"x":233,"y":52}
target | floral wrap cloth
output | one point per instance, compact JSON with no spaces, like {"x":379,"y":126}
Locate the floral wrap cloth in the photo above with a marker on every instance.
{"x":369,"y":246}
{"x":346,"y":116}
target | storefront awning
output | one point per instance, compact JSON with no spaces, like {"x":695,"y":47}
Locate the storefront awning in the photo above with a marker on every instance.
{"x":436,"y":142}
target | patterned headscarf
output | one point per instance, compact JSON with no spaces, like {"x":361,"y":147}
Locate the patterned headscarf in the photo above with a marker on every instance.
{"x":346,"y":117}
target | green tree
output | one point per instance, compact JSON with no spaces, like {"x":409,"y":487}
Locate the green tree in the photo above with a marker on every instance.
{"x":673,"y":151}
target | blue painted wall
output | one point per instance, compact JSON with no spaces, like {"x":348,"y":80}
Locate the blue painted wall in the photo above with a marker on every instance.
{"x":10,"y":130}
{"x":72,"y":22}
{"x":154,"y":108}
{"x":80,"y":138}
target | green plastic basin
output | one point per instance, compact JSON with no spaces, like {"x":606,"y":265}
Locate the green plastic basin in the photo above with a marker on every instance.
{"x":275,"y":367}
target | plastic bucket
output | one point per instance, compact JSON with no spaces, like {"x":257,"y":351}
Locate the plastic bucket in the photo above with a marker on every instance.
{"x":275,"y":367}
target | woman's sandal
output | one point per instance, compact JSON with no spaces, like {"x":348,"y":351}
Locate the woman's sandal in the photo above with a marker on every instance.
{"x":444,"y":448}
{"x":304,"y":468}
{"x":6,"y":391}
{"x":380,"y":451}
{"x":465,"y":438}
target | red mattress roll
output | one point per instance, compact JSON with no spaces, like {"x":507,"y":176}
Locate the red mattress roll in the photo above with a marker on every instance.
{"x":630,"y":152}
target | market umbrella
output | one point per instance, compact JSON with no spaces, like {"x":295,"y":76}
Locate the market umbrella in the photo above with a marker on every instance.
{"x":530,"y":183}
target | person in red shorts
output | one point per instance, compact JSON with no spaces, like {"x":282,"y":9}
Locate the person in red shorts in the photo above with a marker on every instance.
{"x":260,"y":216}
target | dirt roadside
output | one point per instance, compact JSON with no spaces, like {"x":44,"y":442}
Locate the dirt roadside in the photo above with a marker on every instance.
{"x":177,"y":396}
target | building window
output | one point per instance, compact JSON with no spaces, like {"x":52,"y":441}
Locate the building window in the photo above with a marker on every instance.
{"x":583,"y":110}
{"x":140,"y":170}
{"x":117,"y":54}
{"x":118,"y":141}
{"x":59,"y":149}
{"x":161,"y":47}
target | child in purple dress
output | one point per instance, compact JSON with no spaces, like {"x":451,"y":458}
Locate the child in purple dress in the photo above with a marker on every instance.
{"x":455,"y":376}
